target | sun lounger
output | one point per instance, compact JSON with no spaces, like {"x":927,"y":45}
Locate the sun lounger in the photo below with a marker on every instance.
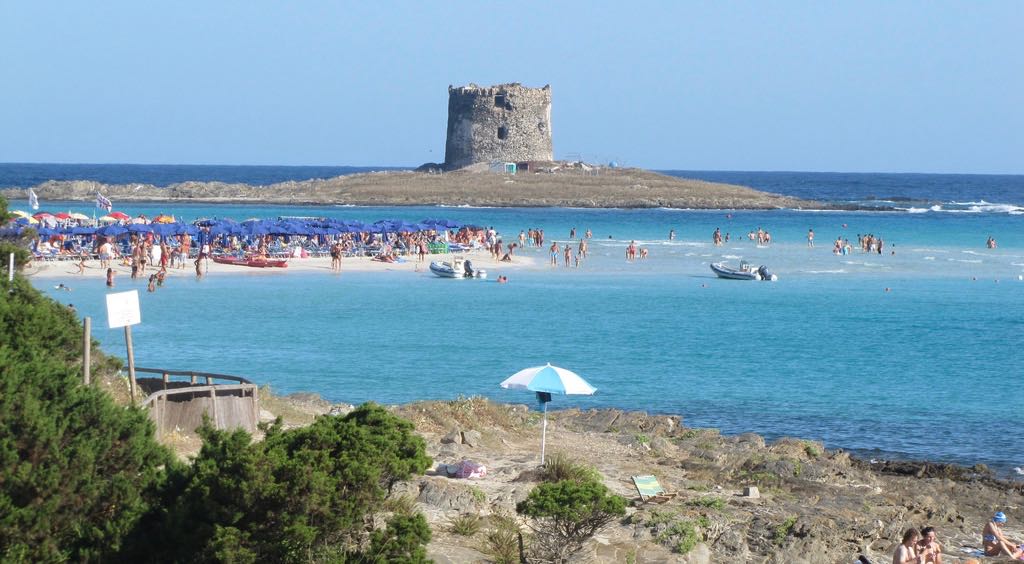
{"x":651,"y":491}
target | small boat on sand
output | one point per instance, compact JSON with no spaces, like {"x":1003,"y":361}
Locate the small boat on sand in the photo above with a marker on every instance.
{"x":456,"y":268}
{"x":253,"y":261}
{"x":744,"y":272}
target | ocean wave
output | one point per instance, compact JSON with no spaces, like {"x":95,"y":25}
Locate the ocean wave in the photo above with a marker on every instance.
{"x":929,"y":258}
{"x":967,"y":207}
{"x":1018,"y":470}
{"x":971,"y":253}
{"x":836,"y":271}
{"x":733,"y":257}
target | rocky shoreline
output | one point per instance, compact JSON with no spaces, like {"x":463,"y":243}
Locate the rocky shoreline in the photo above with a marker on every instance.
{"x":560,"y":185}
{"x":811,"y":504}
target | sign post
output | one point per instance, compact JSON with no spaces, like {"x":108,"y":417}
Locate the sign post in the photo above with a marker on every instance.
{"x":123,"y":311}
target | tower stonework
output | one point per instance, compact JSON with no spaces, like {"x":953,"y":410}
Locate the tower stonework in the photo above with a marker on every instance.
{"x":506,"y":122}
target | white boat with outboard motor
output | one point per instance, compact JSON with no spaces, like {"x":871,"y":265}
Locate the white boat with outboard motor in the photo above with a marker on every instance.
{"x":456,"y":268}
{"x":744,"y":272}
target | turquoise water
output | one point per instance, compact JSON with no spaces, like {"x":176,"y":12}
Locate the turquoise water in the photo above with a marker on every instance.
{"x":928,"y":369}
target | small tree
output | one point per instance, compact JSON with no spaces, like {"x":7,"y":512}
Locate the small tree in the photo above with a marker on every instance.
{"x":567,"y":514}
{"x":76,"y":470}
{"x":299,"y":495}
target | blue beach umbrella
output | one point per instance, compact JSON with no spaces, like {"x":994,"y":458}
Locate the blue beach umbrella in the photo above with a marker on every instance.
{"x":112,"y":230}
{"x":546,"y":380}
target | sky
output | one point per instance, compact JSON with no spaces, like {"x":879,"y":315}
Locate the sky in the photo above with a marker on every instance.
{"x":855,"y":86}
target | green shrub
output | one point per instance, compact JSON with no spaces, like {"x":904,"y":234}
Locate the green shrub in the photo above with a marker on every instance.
{"x":684,"y":535}
{"x":297,"y":493}
{"x":567,"y":514}
{"x":501,"y":544}
{"x":560,"y":467}
{"x":465,"y":525}
{"x":811,"y":449}
{"x":76,"y":471}
{"x":783,"y":530}
{"x":660,"y":517}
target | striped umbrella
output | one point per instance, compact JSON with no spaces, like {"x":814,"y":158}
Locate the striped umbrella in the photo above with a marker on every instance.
{"x":546,"y":380}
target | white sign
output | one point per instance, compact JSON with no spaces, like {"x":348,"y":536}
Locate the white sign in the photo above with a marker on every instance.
{"x":123,"y":309}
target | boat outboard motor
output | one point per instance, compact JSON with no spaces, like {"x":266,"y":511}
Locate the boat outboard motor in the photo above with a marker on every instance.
{"x":468,"y":267}
{"x":765,"y":275}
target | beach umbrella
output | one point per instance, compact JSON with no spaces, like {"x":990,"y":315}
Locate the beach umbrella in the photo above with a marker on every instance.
{"x":62,"y":215}
{"x":120,"y":216}
{"x":43,"y":215}
{"x":163,"y":218}
{"x":20,"y":215}
{"x":107,"y":219}
{"x":112,"y":230}
{"x":83,"y":230}
{"x":546,"y":380}
{"x":140,"y":228}
{"x":78,"y":216}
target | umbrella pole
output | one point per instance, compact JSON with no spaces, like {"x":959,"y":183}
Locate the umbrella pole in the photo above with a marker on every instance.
{"x":544,"y":434}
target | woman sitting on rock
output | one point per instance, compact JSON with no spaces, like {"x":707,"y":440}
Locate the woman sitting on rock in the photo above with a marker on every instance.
{"x":995,"y":543}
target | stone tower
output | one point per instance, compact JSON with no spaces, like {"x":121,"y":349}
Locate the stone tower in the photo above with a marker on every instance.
{"x":507,"y":122}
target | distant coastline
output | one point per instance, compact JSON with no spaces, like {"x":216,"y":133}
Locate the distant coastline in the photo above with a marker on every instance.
{"x":564,"y":185}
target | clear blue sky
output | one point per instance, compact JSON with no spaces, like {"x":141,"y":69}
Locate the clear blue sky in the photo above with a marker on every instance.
{"x":813,"y":86}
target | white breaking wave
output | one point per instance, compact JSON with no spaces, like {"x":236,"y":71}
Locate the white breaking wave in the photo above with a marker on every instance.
{"x":837,"y":271}
{"x":916,"y":210}
{"x":929,"y":258}
{"x":1019,"y":470}
{"x":730,"y":257}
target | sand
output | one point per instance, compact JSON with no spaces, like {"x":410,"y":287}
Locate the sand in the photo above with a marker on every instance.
{"x":68,"y":270}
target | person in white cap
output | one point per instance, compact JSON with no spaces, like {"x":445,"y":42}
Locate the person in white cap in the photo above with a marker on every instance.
{"x":996,"y":544}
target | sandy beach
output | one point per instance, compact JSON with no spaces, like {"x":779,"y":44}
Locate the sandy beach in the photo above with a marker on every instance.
{"x":67,"y":270}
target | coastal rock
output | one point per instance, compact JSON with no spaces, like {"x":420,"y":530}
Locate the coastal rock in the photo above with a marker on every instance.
{"x":454,"y":437}
{"x":446,"y":494}
{"x":471,"y":438}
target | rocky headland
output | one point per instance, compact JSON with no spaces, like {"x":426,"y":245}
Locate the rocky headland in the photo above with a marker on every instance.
{"x":552,"y":185}
{"x":811,"y":505}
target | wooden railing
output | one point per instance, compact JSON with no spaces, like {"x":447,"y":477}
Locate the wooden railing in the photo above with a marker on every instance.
{"x":228,"y":406}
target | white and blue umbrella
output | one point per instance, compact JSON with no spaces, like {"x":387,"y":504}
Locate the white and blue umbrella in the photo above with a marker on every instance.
{"x":547,"y":380}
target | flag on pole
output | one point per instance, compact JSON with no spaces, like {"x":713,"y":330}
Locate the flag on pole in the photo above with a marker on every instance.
{"x":102,"y":202}
{"x":33,"y":200}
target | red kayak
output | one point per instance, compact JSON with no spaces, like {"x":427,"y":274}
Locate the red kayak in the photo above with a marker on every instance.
{"x":257,"y":262}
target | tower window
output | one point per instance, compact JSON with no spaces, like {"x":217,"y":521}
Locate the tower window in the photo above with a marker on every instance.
{"x":499,"y":101}
{"x":502,"y":132}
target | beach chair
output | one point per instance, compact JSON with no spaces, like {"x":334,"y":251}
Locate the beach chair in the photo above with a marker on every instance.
{"x":651,"y":491}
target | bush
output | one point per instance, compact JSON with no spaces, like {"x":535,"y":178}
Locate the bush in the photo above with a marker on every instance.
{"x":76,"y":470}
{"x":465,"y":525}
{"x":297,"y":494}
{"x":501,"y":543}
{"x":560,"y":467}
{"x":567,"y":513}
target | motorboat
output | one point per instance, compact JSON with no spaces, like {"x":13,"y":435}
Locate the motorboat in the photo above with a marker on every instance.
{"x":744,"y":272}
{"x":456,"y":268}
{"x":253,"y":261}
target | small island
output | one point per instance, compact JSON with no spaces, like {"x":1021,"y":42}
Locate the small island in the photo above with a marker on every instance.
{"x":549,"y":184}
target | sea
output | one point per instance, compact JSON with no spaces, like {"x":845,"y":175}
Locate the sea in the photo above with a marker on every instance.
{"x":913,"y":353}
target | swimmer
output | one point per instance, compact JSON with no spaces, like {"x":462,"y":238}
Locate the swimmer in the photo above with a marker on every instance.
{"x":61,"y":286}
{"x":110,"y":277}
{"x":502,"y":279}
